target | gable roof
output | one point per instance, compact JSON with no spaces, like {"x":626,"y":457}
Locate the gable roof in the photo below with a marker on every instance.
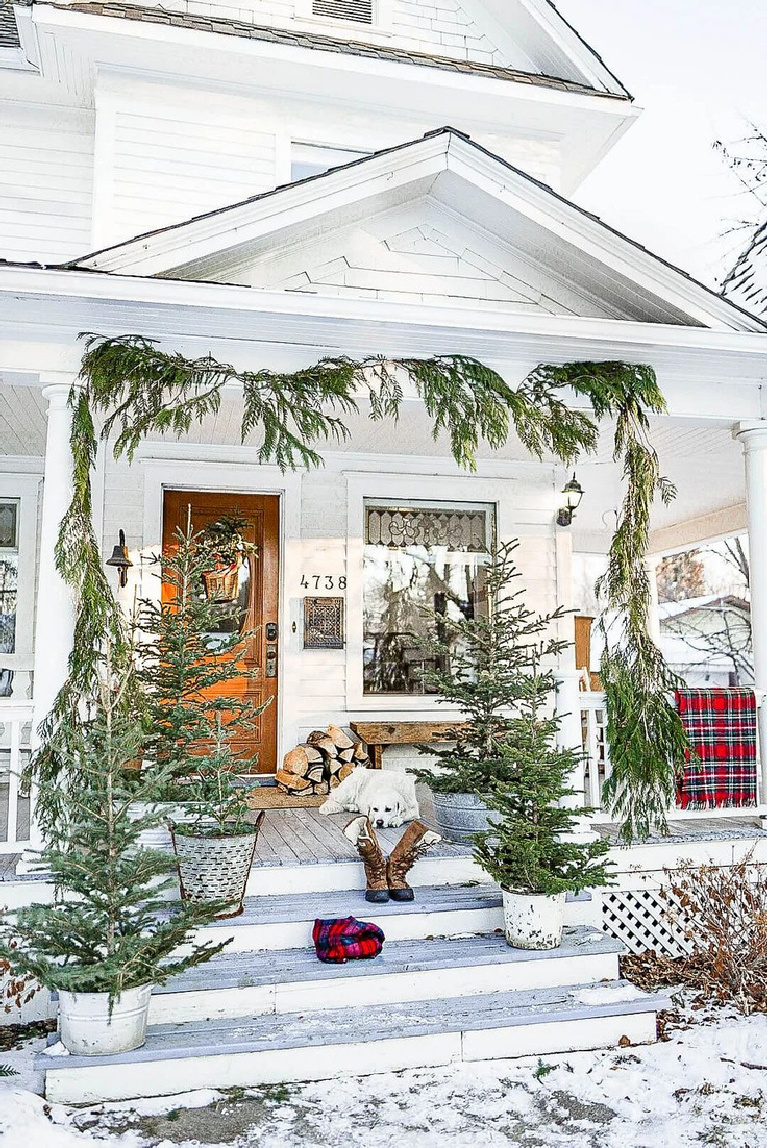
{"x":116,"y":9}
{"x":492,"y":192}
{"x":9,"y":33}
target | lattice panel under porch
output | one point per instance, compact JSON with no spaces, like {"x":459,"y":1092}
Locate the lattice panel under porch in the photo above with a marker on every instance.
{"x":640,"y":918}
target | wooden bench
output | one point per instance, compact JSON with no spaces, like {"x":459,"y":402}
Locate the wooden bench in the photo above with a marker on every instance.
{"x":378,"y":734}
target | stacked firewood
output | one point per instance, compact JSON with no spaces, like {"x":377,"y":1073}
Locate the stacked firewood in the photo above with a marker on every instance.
{"x":321,"y":763}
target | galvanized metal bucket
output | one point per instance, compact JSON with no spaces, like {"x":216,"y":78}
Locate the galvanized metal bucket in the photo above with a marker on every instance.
{"x":215,"y":868}
{"x":460,"y":815}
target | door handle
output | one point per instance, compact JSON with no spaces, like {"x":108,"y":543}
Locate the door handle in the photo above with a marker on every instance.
{"x":271,"y":631}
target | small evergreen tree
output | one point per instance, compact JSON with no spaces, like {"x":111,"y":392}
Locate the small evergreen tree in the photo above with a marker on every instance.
{"x":183,"y":669}
{"x":219,"y":808}
{"x":109,"y":929}
{"x":506,"y":752}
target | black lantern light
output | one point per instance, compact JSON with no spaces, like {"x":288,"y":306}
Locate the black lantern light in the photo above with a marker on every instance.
{"x":573,"y":492}
{"x":121,"y":561}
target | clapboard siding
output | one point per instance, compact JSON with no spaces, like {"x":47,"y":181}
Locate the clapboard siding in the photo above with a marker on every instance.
{"x":162,"y":168}
{"x":46,"y":178}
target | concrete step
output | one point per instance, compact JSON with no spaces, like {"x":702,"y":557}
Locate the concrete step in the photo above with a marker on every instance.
{"x":347,"y":1041}
{"x":286,"y":922}
{"x":294,"y":981}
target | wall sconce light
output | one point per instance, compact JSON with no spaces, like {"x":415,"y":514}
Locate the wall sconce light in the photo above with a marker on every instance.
{"x":121,"y":561}
{"x":573,"y":492}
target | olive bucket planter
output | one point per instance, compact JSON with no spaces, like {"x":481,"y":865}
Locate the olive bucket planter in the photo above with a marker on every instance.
{"x":533,"y":920}
{"x":458,"y":816}
{"x":215,"y":868}
{"x":88,"y":1027}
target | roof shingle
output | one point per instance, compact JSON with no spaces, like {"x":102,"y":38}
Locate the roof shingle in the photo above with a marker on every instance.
{"x":298,"y":39}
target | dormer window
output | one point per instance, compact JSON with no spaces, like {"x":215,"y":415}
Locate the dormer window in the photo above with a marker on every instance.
{"x":354,"y":11}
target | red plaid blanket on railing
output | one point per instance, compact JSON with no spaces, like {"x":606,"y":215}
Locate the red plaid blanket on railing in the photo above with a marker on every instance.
{"x":721,"y":726}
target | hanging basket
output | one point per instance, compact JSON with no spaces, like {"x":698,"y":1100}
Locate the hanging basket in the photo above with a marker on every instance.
{"x":221,"y":585}
{"x":215,"y":868}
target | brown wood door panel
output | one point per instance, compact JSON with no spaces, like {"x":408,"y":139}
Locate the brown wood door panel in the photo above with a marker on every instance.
{"x":259,"y":599}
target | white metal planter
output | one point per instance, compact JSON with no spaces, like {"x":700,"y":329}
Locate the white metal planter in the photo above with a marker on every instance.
{"x":158,"y":836}
{"x":533,"y":920}
{"x":87,"y":1029}
{"x":214,"y":868}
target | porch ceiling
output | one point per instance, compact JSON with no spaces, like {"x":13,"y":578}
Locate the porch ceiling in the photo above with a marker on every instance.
{"x":703,"y":461}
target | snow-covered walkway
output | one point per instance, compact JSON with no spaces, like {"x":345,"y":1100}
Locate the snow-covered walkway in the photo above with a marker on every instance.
{"x":707,"y":1085}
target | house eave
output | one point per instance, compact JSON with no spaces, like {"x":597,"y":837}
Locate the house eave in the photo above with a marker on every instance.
{"x":53,"y":305}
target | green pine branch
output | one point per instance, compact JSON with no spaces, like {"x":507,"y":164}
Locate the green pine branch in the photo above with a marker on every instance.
{"x":141,"y":389}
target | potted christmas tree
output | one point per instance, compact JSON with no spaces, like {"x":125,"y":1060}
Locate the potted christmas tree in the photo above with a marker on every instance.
{"x":484,"y":659}
{"x":216,"y":844}
{"x":109,"y":936}
{"x":500,"y":786}
{"x":189,"y":660}
{"x":531,"y":847}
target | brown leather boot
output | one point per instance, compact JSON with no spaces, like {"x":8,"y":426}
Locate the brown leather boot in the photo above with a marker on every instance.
{"x":416,"y":840}
{"x":362,"y":835}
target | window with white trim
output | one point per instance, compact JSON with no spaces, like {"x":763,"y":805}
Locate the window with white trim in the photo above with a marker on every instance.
{"x":352,"y":11}
{"x":421,"y":563}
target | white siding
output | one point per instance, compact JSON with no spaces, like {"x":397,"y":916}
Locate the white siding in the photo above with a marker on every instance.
{"x":170,"y":156}
{"x":46,"y":177}
{"x":316,"y":690}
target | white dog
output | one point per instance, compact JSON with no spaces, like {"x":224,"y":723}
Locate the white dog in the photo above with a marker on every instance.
{"x":387,"y":798}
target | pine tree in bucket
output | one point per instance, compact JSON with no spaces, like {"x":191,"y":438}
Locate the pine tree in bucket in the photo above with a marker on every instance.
{"x":194,"y":723}
{"x":497,"y":671}
{"x":110,"y":934}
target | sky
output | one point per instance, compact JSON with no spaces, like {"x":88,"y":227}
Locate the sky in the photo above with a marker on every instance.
{"x":697,"y":68}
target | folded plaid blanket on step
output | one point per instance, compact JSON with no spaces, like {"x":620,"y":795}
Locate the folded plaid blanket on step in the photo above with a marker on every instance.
{"x":721,"y":726}
{"x":339,"y":941}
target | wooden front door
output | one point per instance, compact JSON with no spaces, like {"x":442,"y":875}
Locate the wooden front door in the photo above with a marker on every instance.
{"x":258,"y":599}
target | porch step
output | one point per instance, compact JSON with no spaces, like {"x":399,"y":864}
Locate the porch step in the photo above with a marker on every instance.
{"x":455,"y":867}
{"x":349,"y":1041}
{"x":286,"y":922}
{"x":294,"y":981}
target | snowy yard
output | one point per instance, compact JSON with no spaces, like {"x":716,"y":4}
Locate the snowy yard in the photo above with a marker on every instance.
{"x":706,"y":1085}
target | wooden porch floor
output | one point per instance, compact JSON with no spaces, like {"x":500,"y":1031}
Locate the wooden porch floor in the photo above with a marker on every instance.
{"x":306,"y":837}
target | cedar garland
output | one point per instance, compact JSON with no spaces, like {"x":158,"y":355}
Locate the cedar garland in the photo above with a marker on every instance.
{"x":141,"y":389}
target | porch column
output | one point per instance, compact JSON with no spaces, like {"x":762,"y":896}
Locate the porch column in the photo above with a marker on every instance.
{"x":753,"y":436}
{"x":54,"y":606}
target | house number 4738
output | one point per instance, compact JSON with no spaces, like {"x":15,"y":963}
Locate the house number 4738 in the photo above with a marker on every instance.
{"x":323,"y":582}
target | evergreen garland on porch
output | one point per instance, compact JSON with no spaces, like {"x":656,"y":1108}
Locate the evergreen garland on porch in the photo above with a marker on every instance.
{"x":141,"y":389}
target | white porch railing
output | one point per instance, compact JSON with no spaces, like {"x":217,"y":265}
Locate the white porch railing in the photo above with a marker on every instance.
{"x":15,"y":803}
{"x":597,"y":766}
{"x":597,"y":757}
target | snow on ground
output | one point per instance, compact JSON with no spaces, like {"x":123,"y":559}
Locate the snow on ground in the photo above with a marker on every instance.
{"x":707,"y":1085}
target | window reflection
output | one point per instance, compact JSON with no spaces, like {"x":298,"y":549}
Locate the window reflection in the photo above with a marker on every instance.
{"x":421,"y":564}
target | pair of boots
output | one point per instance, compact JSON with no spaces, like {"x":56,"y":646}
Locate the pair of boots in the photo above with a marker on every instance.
{"x":387,"y":879}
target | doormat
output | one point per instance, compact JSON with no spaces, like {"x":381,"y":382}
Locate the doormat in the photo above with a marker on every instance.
{"x":270,"y":797}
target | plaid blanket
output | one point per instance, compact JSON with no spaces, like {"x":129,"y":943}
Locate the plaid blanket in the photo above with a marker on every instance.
{"x":337,"y":942}
{"x":721,"y":726}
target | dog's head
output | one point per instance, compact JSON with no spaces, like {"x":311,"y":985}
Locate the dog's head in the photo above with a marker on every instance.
{"x":386,"y":814}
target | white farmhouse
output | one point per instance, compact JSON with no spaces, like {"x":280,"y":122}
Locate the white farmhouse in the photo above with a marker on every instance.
{"x":285,"y":180}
